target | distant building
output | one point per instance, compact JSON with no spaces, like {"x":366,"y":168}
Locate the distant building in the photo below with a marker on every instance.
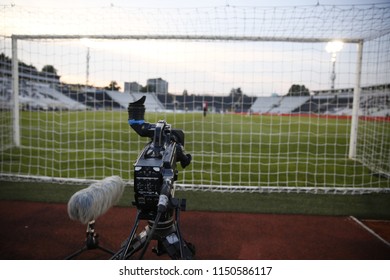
{"x":158,"y":86}
{"x":132,"y":87}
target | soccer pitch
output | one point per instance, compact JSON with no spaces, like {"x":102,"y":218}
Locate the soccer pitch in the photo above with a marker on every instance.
{"x":227,"y":149}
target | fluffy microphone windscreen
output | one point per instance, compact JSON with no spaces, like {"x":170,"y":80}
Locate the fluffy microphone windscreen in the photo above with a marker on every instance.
{"x":88,"y":204}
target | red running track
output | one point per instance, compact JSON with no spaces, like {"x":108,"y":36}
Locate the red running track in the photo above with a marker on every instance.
{"x":44,"y":231}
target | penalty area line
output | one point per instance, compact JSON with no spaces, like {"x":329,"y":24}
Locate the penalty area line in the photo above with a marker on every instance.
{"x":370,"y":230}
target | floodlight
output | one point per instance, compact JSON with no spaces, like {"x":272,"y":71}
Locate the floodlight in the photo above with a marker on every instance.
{"x":334,"y":47}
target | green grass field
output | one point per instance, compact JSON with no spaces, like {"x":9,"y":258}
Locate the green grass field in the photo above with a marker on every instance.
{"x":227,"y":149}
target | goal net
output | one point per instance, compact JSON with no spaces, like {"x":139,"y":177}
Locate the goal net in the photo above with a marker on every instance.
{"x":285,"y":110}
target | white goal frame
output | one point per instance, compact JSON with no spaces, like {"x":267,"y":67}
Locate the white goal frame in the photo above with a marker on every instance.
{"x":355,"y":113}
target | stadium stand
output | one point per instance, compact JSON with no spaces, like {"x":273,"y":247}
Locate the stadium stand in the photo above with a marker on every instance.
{"x":376,"y":102}
{"x":91,"y":97}
{"x":265,"y":104}
{"x":5,"y":93}
{"x":34,"y":95}
{"x":329,"y":104}
{"x":152,"y":104}
{"x":61,"y":101}
{"x":101,"y":100}
{"x":38,"y":96}
{"x":217,"y":104}
{"x":288,"y":104}
{"x":121,"y":98}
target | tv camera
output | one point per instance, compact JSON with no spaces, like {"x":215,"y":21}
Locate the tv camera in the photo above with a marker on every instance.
{"x":154,"y":175}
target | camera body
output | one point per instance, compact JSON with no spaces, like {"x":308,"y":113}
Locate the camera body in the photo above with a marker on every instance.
{"x":155,"y":168}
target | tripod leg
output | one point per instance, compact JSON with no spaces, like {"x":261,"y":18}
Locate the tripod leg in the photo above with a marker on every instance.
{"x":91,"y":242}
{"x":124,"y":251}
{"x":187,"y":250}
{"x":132,"y":245}
{"x":75,"y":254}
{"x":177,"y":216}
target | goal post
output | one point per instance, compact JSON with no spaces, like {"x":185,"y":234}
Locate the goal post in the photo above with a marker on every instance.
{"x":277,"y":118}
{"x":15,"y":93}
{"x":356,"y":102}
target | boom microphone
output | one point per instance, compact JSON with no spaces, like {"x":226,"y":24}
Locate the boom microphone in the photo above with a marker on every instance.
{"x":89,"y":203}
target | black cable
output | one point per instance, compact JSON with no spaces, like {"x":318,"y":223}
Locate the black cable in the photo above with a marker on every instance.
{"x":151,"y":233}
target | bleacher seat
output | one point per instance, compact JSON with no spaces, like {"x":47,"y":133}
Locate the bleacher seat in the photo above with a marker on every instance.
{"x":265,"y":104}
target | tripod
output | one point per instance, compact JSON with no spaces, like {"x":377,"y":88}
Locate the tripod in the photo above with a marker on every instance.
{"x":91,"y":242}
{"x":154,"y":174}
{"x":166,"y":233}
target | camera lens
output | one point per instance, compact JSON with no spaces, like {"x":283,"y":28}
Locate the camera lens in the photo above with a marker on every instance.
{"x":136,"y":112}
{"x":137,"y":109}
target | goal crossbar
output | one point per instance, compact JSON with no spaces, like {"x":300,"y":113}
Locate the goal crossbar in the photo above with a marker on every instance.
{"x":188,"y":37}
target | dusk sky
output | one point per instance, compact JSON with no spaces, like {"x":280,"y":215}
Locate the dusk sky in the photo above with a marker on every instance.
{"x":200,"y":67}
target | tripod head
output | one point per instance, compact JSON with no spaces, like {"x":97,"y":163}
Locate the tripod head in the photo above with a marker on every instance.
{"x":155,"y":169}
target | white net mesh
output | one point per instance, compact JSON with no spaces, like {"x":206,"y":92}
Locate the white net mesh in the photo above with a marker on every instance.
{"x":241,"y":61}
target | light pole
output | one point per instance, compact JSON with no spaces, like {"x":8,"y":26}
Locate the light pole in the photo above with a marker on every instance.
{"x":86,"y":42}
{"x":333,"y":48}
{"x":87,"y":71}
